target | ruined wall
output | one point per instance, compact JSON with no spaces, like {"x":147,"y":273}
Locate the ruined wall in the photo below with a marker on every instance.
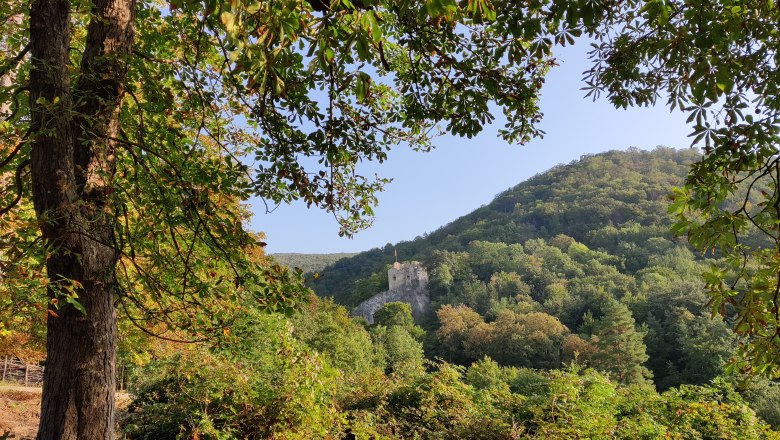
{"x":406,"y":273}
{"x":408,"y":283}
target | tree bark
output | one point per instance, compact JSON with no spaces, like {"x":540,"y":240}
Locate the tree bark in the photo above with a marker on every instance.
{"x":72,"y":164}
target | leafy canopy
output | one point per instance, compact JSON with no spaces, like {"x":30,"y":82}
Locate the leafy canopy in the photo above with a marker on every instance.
{"x":718,"y":63}
{"x":283,"y":100}
{"x":310,"y":89}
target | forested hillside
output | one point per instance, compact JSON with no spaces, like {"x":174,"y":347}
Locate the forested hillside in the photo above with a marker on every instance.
{"x":615,"y":202}
{"x":542,"y":329}
{"x":310,"y":263}
{"x":577,"y":264}
{"x":135,"y":134}
{"x":322,"y":375}
{"x":563,"y":309}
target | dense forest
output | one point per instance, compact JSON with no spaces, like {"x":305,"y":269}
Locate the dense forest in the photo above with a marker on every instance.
{"x":133,"y":134}
{"x":563,"y":309}
{"x":615,"y":202}
{"x":321,"y":374}
{"x":311,"y":263}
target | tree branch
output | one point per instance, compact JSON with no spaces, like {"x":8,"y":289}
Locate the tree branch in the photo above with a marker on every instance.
{"x":16,"y":150}
{"x":19,"y":187}
{"x":13,"y":62}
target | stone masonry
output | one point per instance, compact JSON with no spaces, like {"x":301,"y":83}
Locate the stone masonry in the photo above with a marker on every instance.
{"x":408,"y":283}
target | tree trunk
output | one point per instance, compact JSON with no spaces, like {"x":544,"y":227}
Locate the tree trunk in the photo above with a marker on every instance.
{"x":72,"y":163}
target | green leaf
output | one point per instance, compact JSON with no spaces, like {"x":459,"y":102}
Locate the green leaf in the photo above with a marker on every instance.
{"x":72,"y":299}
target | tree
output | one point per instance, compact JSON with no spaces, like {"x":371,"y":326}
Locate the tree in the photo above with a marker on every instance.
{"x":327,"y":329}
{"x":716,"y":62}
{"x":619,"y":346}
{"x":398,"y":314}
{"x":476,"y":294}
{"x":455,"y":325}
{"x":277,"y":389}
{"x":403,"y":353}
{"x":395,"y":313}
{"x":488,"y":258}
{"x":524,"y":340}
{"x":686,"y":345}
{"x":511,"y":285}
{"x":441,"y":281}
{"x":338,"y":86}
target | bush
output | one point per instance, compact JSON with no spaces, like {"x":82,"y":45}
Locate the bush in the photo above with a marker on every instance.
{"x":275,"y":389}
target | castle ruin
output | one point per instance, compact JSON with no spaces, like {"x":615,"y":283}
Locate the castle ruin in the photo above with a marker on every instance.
{"x":408,"y":282}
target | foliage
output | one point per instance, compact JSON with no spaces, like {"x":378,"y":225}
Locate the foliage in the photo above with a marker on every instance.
{"x":137,"y":129}
{"x":395,"y":314}
{"x":309,"y":90}
{"x":395,"y":332}
{"x":275,"y":389}
{"x":717,"y":63}
{"x":763,"y":395}
{"x":561,"y":404}
{"x":325,"y":328}
{"x":440,"y":405}
{"x":403,"y":353}
{"x":684,"y":344}
{"x":526,"y":340}
{"x":22,"y":287}
{"x":638,"y":283}
{"x":555,"y":293}
{"x":346,"y":85}
{"x":297,"y":384}
{"x":310,"y":263}
{"x":708,"y":412}
{"x":637,"y":262}
{"x":618,"y":212}
{"x":365,"y":288}
{"x":455,"y":323}
{"x":618,"y":345}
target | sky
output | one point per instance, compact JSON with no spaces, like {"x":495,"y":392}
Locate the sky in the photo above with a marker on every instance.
{"x":432,"y":189}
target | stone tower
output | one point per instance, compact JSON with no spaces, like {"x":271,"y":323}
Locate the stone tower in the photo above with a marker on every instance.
{"x":407,"y":273}
{"x":407,"y":282}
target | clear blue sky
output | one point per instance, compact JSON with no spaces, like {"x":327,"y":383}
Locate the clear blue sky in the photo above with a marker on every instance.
{"x":432,"y":189}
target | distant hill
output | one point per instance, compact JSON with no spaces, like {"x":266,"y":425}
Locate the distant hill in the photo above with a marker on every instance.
{"x":310,"y":263}
{"x":577,"y":262}
{"x":613,"y":202}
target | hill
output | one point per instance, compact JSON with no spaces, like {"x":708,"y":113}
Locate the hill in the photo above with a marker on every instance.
{"x":310,"y":263}
{"x":614,"y":202}
{"x":557,"y":306}
{"x":575,"y":264}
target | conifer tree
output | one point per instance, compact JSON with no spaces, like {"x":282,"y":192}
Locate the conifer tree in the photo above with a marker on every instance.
{"x":620,"y":347}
